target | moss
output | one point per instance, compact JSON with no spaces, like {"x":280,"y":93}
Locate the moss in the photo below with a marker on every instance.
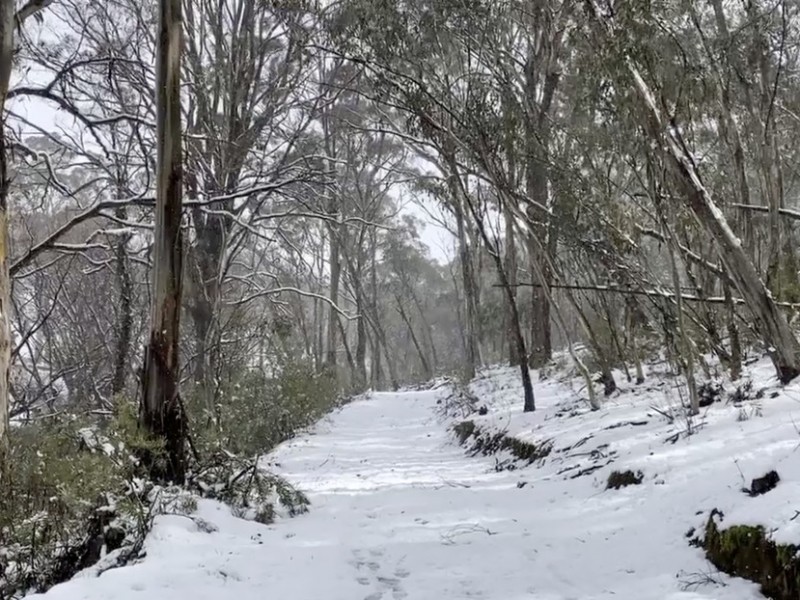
{"x":478,"y":441}
{"x":621,"y":479}
{"x":747,"y":551}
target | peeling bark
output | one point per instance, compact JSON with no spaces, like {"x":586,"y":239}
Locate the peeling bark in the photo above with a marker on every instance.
{"x":7,"y":23}
{"x":160,"y":410}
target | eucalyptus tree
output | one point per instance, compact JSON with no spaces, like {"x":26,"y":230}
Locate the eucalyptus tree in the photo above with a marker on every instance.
{"x":10,"y":20}
{"x":688,"y":179}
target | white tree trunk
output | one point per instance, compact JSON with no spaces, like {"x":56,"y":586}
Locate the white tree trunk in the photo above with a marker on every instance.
{"x":6,"y":62}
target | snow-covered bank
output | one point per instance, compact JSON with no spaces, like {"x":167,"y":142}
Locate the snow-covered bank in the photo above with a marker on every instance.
{"x":690,"y":466}
{"x":400,"y":511}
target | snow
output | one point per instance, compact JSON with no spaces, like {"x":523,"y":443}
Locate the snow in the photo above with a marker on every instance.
{"x":400,"y":511}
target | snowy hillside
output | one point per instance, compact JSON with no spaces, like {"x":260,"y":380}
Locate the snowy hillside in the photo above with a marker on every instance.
{"x":400,"y":510}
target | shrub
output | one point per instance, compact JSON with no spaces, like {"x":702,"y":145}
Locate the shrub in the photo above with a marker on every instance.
{"x":72,"y":492}
{"x":255,"y":412}
{"x":252,"y":493}
{"x":75,"y":492}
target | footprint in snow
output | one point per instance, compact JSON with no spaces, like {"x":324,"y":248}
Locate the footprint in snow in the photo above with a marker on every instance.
{"x":371,"y":574}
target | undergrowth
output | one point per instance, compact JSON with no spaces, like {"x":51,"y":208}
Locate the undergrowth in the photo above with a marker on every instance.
{"x":75,"y":493}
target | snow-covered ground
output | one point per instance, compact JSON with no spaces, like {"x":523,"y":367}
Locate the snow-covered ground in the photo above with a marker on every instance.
{"x":400,"y":511}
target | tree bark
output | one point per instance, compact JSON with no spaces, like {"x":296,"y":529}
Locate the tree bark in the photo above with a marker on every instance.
{"x":160,"y":411}
{"x":7,"y":24}
{"x":360,"y":374}
{"x":376,"y":368}
{"x":510,"y":260}
{"x":336,"y":269}
{"x":540,"y":68}
{"x":511,"y":275}
{"x":347,"y":353}
{"x":541,"y":336}
{"x":470,"y":318}
{"x":733,"y":334}
{"x":124,"y":321}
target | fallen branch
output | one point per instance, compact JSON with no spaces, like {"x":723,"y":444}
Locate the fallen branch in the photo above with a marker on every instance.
{"x":784,"y":212}
{"x":652,"y":293}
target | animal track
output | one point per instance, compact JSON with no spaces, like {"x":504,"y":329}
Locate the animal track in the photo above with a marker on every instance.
{"x":371,"y":573}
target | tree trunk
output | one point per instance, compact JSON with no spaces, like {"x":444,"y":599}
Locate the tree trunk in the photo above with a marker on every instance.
{"x":608,"y":379}
{"x":541,"y":337}
{"x":511,"y":274}
{"x":529,"y":404}
{"x":160,"y":411}
{"x":733,"y":334}
{"x":380,"y":334}
{"x":376,"y":369}
{"x":7,"y":24}
{"x":470,"y":318}
{"x":390,"y":364}
{"x":781,"y":268}
{"x":537,"y":145}
{"x":612,"y":328}
{"x":347,"y":353}
{"x":727,"y":122}
{"x":426,"y":367}
{"x":124,"y":321}
{"x":360,"y":375}
{"x":205,"y":298}
{"x":428,"y":330}
{"x":333,"y":316}
{"x":771,"y":324}
{"x":631,"y":310}
{"x":687,"y":352}
{"x":529,"y":401}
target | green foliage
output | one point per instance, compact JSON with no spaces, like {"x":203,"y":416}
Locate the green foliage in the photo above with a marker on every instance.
{"x":252,"y":492}
{"x":480,"y":441}
{"x":255,"y":412}
{"x":70,"y":494}
{"x":77,"y":490}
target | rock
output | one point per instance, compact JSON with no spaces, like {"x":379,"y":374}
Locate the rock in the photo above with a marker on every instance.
{"x":762,"y":485}
{"x":621,"y":479}
{"x":709,"y":393}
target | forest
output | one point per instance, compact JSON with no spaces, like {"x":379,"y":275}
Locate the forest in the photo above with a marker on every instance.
{"x":216,"y":221}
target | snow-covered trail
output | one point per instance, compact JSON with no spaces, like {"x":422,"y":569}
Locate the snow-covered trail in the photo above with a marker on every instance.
{"x":399,"y":512}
